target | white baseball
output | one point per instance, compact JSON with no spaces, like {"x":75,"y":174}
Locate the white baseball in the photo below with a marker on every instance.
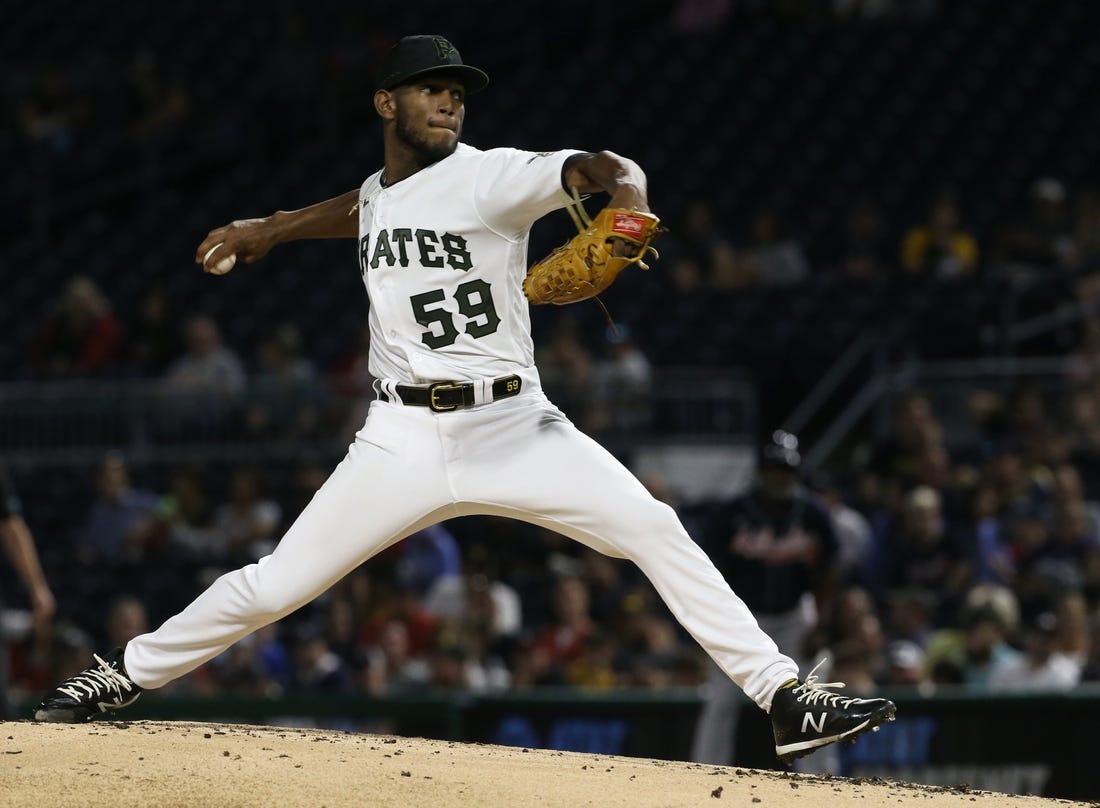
{"x":223,"y":265}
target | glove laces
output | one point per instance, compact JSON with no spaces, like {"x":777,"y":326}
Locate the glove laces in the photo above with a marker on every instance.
{"x":94,"y":682}
{"x":813,"y":692}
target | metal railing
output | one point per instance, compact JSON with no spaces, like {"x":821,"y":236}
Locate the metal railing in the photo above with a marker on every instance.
{"x":949,"y":385}
{"x":75,"y":422}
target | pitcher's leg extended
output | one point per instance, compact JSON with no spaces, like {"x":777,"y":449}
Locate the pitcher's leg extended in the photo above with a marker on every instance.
{"x":368,"y":503}
{"x":557,"y":477}
{"x":553,"y":475}
{"x":391,"y":483}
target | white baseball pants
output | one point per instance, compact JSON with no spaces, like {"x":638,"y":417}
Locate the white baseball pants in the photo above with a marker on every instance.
{"x":408,"y":468}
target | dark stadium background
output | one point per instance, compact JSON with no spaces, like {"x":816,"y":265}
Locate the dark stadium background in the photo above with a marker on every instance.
{"x":131,"y":129}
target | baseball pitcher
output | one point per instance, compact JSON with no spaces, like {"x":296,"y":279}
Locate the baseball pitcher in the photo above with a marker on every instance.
{"x":460,"y":424}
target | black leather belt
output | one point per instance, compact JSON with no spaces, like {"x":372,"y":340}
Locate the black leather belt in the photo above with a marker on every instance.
{"x":447,"y":396}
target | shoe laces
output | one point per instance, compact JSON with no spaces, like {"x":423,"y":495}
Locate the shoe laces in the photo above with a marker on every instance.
{"x":812,"y":691}
{"x":94,"y":682}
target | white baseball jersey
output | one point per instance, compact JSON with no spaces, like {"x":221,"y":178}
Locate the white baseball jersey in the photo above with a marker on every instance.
{"x":443,"y":254}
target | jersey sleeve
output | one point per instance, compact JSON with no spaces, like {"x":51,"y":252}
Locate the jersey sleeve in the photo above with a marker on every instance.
{"x":515,"y":188}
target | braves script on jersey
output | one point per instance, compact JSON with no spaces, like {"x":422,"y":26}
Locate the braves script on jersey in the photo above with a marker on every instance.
{"x":443,"y":254}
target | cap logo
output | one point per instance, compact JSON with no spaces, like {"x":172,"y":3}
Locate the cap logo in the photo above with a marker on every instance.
{"x":444,"y":49}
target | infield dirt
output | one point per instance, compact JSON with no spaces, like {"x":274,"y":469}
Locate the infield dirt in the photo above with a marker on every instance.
{"x":149,"y":763}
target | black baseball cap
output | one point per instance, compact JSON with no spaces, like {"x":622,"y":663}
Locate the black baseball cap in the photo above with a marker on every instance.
{"x":414,"y":56}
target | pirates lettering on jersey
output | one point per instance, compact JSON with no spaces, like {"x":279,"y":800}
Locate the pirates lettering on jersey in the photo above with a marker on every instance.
{"x":401,"y":245}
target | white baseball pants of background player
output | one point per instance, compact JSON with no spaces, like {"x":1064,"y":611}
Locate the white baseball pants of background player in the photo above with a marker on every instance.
{"x":408,"y":468}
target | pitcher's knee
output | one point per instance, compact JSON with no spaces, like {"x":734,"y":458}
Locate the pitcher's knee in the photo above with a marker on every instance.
{"x":258,"y":597}
{"x":657,"y":517}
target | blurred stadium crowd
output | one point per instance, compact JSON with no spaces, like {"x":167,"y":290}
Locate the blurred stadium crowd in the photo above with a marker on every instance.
{"x":931,"y":177}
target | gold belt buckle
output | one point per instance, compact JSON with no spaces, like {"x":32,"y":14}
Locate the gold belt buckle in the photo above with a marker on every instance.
{"x":433,"y":405}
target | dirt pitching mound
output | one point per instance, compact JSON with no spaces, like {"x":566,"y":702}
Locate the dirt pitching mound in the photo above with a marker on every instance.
{"x":186,"y":764}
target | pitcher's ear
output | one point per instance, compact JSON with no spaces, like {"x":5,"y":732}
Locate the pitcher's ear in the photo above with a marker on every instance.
{"x":385,"y":103}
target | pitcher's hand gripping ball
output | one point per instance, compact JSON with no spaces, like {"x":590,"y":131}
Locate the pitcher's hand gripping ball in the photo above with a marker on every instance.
{"x":586,"y":265}
{"x":223,"y":266}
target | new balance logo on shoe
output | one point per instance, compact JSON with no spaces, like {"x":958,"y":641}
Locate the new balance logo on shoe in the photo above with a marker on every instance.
{"x":807,"y":716}
{"x":819,"y":725}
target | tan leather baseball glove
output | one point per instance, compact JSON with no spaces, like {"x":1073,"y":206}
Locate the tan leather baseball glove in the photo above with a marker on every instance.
{"x":586,"y":265}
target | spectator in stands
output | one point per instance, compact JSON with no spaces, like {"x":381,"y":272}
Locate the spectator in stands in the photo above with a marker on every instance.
{"x":428,"y":556}
{"x":656,"y":657}
{"x":285,"y":395}
{"x":566,"y":367}
{"x":1041,"y":666}
{"x":909,"y":615}
{"x":594,"y":666}
{"x":852,"y":530}
{"x":772,"y":256}
{"x":686,"y":277}
{"x":1091,"y":671}
{"x":1086,"y":242}
{"x":123,"y":523}
{"x":914,"y":10}
{"x":257,"y":666}
{"x":209,"y":375}
{"x":990,"y":540}
{"x":52,"y":112}
{"x":863,"y":251}
{"x":905,"y":665}
{"x":343,"y":628}
{"x":855,"y":667}
{"x":246,"y":527}
{"x":392,"y":666}
{"x":563,"y":641}
{"x":306,"y":477}
{"x":467,"y":652}
{"x":621,"y":381}
{"x":1072,"y":637}
{"x":939,"y":248}
{"x":316,"y":668}
{"x":81,"y":335}
{"x":1051,"y":559}
{"x":19,"y":549}
{"x":970,"y":654}
{"x":694,"y":16}
{"x":393,"y":602}
{"x":1068,"y":487}
{"x":153,"y":336}
{"x":914,"y":426}
{"x":850,"y":622}
{"x":609,"y":585}
{"x":21,"y":552}
{"x":186,"y":512}
{"x":448,"y":669}
{"x":352,"y":384}
{"x":126,"y":619}
{"x":701,"y":240}
{"x":1018,"y":491}
{"x":476,"y":596}
{"x":919,"y":551}
{"x":158,"y":105}
{"x":1042,"y":239}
